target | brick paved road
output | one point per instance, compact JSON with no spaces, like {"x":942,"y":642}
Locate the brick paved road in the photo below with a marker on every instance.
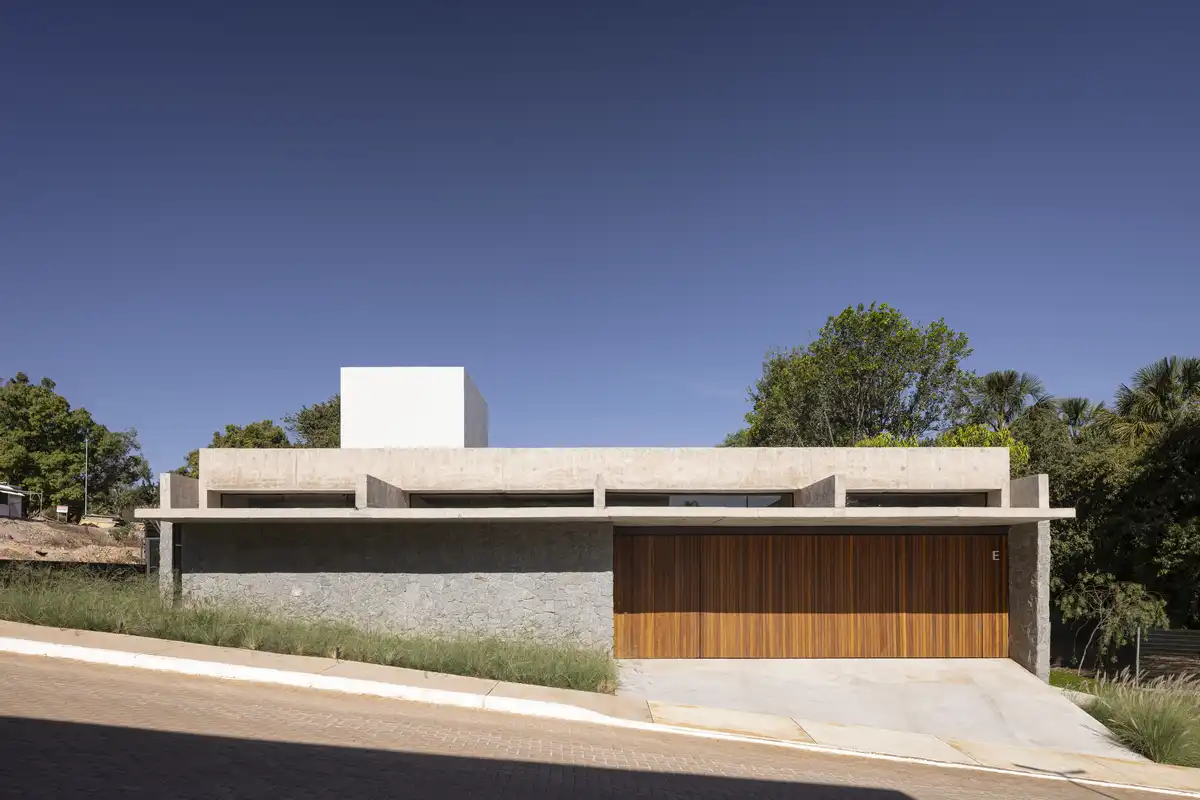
{"x":81,"y":730}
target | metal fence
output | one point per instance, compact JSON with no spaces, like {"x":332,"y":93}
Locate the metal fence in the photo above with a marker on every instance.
{"x":150,"y":553}
{"x":1159,"y":653}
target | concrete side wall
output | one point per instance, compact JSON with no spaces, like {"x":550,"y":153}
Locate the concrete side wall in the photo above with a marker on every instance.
{"x":551,"y":581}
{"x":370,"y":492}
{"x":176,"y":491}
{"x":1029,"y":579}
{"x":623,"y":469}
{"x":1032,"y":491}
{"x":827,"y":493}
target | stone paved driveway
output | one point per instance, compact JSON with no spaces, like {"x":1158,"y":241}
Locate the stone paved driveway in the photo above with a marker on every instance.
{"x":72,"y":730}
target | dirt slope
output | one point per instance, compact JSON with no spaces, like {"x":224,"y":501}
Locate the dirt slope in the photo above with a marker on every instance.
{"x":44,"y":540}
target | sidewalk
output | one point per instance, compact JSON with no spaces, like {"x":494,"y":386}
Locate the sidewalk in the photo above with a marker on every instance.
{"x":412,"y":685}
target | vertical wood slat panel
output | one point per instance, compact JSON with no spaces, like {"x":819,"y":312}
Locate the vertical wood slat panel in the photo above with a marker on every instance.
{"x":656,"y":596}
{"x":853,"y":596}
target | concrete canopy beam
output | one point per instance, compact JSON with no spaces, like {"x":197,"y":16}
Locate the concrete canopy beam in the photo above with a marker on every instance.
{"x":647,"y":515}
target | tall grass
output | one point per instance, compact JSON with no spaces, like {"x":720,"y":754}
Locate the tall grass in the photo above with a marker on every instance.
{"x":1159,"y":719}
{"x":134,"y":606}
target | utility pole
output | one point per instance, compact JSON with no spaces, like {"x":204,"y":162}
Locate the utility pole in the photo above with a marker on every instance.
{"x":85,"y":473}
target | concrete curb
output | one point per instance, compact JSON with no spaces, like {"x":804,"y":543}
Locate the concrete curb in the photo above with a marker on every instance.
{"x":303,"y":680}
{"x":522,"y":707}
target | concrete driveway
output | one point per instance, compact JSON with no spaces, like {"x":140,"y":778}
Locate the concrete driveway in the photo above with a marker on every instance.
{"x":979,"y":700}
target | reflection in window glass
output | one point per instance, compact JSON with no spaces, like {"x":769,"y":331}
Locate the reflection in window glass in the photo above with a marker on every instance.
{"x":769,"y":500}
{"x":505,"y":500}
{"x":295,"y":500}
{"x":708,"y":500}
{"x":915,"y":499}
{"x":700,"y":500}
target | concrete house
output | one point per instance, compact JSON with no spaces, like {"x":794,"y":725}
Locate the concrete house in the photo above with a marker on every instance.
{"x":415,"y":524}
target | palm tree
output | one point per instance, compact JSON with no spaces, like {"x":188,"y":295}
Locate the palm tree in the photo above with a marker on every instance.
{"x":1078,"y":413}
{"x":1162,"y":392}
{"x":1004,"y":395}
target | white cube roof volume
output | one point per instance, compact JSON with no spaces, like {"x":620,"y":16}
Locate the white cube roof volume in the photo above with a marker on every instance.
{"x":411,"y":407}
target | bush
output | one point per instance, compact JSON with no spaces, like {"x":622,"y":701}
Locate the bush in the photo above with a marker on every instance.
{"x":1159,"y":719}
{"x":962,"y":436}
{"x":133,"y":606}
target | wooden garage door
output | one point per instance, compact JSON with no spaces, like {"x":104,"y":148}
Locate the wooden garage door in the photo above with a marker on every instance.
{"x":656,"y":596}
{"x":811,"y":595}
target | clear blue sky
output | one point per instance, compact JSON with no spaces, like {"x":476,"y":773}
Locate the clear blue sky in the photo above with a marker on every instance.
{"x":606,"y":214}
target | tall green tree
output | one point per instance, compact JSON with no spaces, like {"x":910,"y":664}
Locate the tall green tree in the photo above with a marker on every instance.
{"x":999,"y":398}
{"x":318,"y":425}
{"x":736,"y":439}
{"x":1137,"y":502}
{"x":1149,"y":531}
{"x":263,"y":433}
{"x":870,"y":370}
{"x":1048,"y":437}
{"x":1090,"y":476}
{"x":1078,"y":413}
{"x":42,"y":447}
{"x":1053,"y":451}
{"x":1162,"y":393}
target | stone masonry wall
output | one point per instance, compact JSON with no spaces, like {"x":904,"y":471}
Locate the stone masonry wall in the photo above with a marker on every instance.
{"x":1029,"y":597}
{"x":552,"y":581}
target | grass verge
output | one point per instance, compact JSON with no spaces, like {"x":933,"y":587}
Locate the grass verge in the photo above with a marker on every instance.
{"x":1070,"y":679}
{"x":133,"y":606}
{"x":1159,"y":719}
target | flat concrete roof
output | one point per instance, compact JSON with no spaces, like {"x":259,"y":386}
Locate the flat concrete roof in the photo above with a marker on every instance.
{"x":960,"y":517}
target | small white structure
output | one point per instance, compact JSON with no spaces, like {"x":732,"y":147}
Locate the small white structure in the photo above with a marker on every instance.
{"x":12,"y":501}
{"x":411,"y":407}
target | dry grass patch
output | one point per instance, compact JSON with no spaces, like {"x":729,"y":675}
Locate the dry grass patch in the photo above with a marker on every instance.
{"x":133,"y":606}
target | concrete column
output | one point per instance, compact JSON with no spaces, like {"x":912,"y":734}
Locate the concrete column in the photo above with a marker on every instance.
{"x":174,"y":491}
{"x":371,"y":492}
{"x":1029,"y":579}
{"x":599,"y":496}
{"x":170,"y":580}
{"x":826,"y":493}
